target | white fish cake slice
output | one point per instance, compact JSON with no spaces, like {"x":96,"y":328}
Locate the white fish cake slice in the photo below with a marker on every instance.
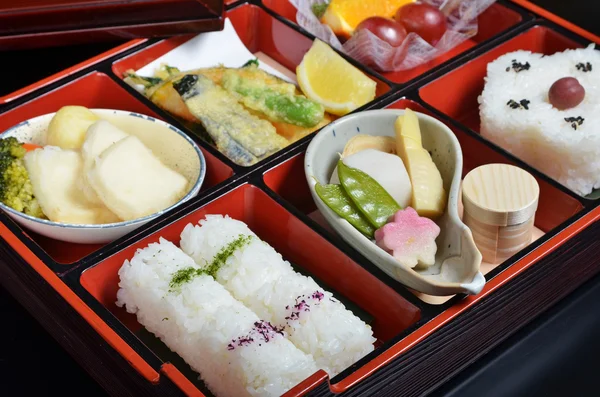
{"x":99,"y":137}
{"x":132,"y":182}
{"x":54,"y":174}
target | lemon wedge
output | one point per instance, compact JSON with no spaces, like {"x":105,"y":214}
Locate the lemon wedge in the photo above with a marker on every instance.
{"x":325,"y":77}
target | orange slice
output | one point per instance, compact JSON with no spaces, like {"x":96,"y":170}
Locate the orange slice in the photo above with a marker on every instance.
{"x":343,"y":16}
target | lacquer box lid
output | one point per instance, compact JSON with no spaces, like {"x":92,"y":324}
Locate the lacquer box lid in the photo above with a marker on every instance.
{"x":42,"y":23}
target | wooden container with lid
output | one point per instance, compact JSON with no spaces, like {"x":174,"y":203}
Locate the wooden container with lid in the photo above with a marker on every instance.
{"x":500,"y":202}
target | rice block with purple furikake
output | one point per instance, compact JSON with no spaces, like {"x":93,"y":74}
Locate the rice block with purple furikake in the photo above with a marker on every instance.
{"x":255,"y":274}
{"x":235,"y":352}
{"x":546,"y":111}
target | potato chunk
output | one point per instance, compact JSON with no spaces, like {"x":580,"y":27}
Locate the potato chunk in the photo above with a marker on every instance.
{"x":68,"y":127}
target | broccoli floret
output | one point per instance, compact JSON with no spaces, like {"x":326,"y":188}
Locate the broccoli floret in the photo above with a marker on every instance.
{"x":12,"y":147}
{"x":16,"y":190}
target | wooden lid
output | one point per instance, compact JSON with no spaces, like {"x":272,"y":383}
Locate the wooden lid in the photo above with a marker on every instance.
{"x":500,"y":194}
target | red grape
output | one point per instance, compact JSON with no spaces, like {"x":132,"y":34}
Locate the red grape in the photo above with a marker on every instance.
{"x":423,"y":19}
{"x":386,"y":29}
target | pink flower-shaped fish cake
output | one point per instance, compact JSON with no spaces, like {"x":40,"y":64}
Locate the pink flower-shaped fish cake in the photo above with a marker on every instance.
{"x":409,"y":238}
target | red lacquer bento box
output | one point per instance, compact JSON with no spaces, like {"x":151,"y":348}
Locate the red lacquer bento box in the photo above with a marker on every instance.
{"x":421,"y":340}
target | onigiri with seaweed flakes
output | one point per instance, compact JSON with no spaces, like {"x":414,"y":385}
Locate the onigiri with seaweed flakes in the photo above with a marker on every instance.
{"x":545,"y":110}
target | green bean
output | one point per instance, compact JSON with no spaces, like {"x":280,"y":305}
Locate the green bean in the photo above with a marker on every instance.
{"x":336,"y":199}
{"x":278,"y":106}
{"x":370,"y":198}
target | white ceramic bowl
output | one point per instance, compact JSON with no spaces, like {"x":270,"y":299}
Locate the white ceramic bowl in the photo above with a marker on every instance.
{"x":169,"y":144}
{"x":456,"y":269}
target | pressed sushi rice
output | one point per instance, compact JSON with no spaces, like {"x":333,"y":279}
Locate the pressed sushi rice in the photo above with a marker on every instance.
{"x":564,"y":144}
{"x":235,"y":353}
{"x":259,"y":277}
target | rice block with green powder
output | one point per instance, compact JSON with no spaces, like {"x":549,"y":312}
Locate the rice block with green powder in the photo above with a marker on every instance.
{"x":241,"y":136}
{"x":276,"y":100}
{"x":235,"y":352}
{"x":254,"y":273}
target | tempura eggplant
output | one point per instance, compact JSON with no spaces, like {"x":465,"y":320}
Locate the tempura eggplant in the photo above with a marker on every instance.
{"x":241,"y":136}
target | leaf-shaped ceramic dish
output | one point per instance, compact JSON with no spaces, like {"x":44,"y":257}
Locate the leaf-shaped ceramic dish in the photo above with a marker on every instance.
{"x":456,"y":268}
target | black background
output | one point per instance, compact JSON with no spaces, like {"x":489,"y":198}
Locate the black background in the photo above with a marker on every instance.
{"x":558,"y":354}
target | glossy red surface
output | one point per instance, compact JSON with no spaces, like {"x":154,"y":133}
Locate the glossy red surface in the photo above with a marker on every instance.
{"x":180,"y":380}
{"x":289,"y":181}
{"x":491,"y":22}
{"x":289,"y":236}
{"x":259,"y":31}
{"x":37,"y":23}
{"x":461,"y":103}
{"x":543,"y":13}
{"x":95,"y":90}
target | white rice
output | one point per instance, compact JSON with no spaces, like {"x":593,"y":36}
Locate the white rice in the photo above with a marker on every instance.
{"x":259,"y":277}
{"x":201,"y":321}
{"x":540,"y":136}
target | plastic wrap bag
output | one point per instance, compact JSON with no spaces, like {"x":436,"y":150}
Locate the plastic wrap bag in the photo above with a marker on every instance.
{"x":369,"y":49}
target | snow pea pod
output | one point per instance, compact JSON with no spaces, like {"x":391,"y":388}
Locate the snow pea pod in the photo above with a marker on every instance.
{"x":339,"y":202}
{"x":370,"y":198}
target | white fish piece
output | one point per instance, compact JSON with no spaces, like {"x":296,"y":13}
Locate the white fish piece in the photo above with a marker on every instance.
{"x":99,"y":137}
{"x":134,"y":183}
{"x":54,"y":175}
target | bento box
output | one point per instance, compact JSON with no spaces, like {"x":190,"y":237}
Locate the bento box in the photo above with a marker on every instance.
{"x":246,"y":259}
